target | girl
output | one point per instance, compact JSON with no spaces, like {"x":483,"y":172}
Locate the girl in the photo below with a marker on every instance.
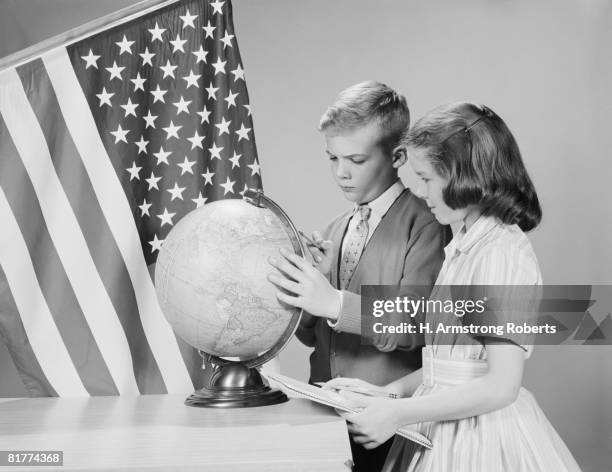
{"x":468,"y":397}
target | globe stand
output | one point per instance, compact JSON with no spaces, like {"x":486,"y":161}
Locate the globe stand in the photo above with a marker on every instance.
{"x":235,"y":385}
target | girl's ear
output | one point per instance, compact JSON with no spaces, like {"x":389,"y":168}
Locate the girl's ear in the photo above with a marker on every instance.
{"x":399,"y":156}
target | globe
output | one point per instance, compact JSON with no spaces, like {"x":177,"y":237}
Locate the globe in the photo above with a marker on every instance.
{"x":211,"y":283}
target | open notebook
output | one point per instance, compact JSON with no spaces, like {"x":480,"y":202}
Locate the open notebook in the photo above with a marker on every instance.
{"x":335,"y":400}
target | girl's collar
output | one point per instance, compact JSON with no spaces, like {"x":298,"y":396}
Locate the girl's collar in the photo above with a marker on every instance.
{"x":464,"y":240}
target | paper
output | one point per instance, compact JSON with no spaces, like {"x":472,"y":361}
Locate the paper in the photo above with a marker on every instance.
{"x":337,"y":401}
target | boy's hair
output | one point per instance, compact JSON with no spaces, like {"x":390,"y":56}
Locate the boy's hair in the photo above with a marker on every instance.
{"x":472,"y":147}
{"x":367,"y":102}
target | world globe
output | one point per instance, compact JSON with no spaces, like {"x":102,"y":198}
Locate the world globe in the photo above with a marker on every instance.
{"x":211,"y":283}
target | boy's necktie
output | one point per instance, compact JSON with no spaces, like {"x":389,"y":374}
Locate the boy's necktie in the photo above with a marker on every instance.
{"x":354,"y":246}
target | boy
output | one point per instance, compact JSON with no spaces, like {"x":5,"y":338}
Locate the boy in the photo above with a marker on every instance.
{"x":388,"y":238}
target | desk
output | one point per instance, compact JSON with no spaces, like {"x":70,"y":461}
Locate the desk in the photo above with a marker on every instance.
{"x":159,"y":433}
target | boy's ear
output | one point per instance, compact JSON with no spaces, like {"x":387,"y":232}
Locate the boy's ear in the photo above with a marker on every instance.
{"x":400,"y":156}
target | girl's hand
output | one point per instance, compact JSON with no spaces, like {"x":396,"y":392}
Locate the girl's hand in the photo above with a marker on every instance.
{"x":376,"y":423}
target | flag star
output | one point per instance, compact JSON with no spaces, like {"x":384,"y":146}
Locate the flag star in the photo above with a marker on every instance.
{"x":152,"y":181}
{"x":231,"y":99}
{"x":157,"y":33}
{"x":162,"y":156}
{"x":177,"y":44}
{"x":244,"y":190}
{"x":138,"y":82}
{"x":144,"y":208}
{"x":235,"y":160}
{"x":192,"y":79}
{"x":125,"y":45}
{"x":142,"y":145}
{"x":115,"y":71}
{"x":217,"y":6}
{"x":248,"y":108}
{"x":254,"y":168}
{"x":120,"y":134}
{"x":146,"y":57}
{"x":182,"y":106}
{"x":238,"y":73}
{"x":130,"y":108}
{"x":90,"y":60}
{"x":172,"y":130}
{"x":227,"y":40}
{"x":228,"y":186}
{"x":105,"y":97}
{"x":215,"y":152}
{"x":208,"y":177}
{"x":156,"y":243}
{"x":211,"y":91}
{"x":150,"y":120}
{"x":166,"y":217}
{"x":168,"y":69}
{"x":200,"y":54}
{"x":186,"y":166}
{"x":219,"y":66}
{"x":204,"y":114}
{"x":209,"y":30}
{"x":187,"y":19}
{"x":134,"y":171}
{"x":196,"y":140}
{"x":176,"y":192}
{"x":243,"y":133}
{"x":223,"y":126}
{"x":200,"y":201}
{"x":159,"y":95}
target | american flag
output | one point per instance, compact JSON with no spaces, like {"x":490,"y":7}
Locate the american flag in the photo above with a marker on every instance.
{"x":105,"y":144}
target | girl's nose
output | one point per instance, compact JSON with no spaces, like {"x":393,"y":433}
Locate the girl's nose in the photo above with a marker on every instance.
{"x":421,"y":190}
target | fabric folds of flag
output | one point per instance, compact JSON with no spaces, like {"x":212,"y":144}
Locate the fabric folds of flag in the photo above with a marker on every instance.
{"x":104,"y":145}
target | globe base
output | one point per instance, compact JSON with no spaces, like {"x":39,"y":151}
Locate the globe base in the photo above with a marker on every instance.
{"x":235,"y":386}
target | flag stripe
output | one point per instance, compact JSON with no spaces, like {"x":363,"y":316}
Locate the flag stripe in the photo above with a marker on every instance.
{"x":13,"y":333}
{"x":63,"y":228}
{"x":42,"y":332}
{"x":100,"y":242}
{"x":52,"y":278}
{"x":118,"y":214}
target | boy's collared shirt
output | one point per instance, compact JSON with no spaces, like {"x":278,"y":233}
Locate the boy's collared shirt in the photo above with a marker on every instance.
{"x":406,"y":249}
{"x":379,"y":206}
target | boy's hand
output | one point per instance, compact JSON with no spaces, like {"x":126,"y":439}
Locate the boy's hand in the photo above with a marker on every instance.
{"x":310,"y":289}
{"x":322,"y":254}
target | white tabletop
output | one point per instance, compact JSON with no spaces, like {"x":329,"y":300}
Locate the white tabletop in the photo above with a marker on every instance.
{"x":158,"y":432}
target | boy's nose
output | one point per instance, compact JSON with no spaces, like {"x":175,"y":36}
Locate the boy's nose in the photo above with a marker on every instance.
{"x":342,"y":171}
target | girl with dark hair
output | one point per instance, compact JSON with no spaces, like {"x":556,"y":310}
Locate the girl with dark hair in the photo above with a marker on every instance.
{"x":468,"y":397}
